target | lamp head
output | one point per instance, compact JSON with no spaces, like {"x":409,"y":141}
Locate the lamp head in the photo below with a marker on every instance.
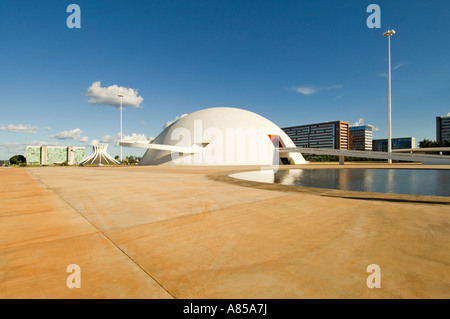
{"x":389,"y":33}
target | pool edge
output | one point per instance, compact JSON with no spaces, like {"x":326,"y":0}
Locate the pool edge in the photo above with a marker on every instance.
{"x":326,"y":192}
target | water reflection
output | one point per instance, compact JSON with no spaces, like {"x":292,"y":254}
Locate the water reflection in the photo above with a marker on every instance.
{"x":390,"y":181}
{"x":266,"y":176}
{"x":343,"y":180}
{"x":290,"y":177}
{"x":368,"y":181}
{"x":431,"y":182}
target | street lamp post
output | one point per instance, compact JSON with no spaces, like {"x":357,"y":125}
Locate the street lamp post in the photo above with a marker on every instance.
{"x":388,"y":34}
{"x":121,"y":97}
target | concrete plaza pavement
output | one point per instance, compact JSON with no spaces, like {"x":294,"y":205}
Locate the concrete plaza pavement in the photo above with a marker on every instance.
{"x":176,"y":232}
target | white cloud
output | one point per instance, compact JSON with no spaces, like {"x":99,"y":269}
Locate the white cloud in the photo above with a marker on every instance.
{"x":67,"y":135}
{"x":134,"y":137}
{"x":173,"y":121}
{"x":11,"y":149}
{"x":47,"y":128}
{"x":84,"y":139}
{"x":395,"y":67}
{"x":448,"y":114}
{"x":398,"y":65}
{"x":333,"y":87}
{"x":19,"y":128}
{"x":142,"y":122}
{"x":359,"y":122}
{"x":109,"y":95}
{"x":114,"y":139}
{"x":309,"y":90}
{"x":110,"y":138}
{"x":305,"y":90}
{"x":339,"y":96}
{"x":94,"y":142}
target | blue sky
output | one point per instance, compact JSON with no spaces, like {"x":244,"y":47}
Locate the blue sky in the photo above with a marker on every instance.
{"x":293,"y":62}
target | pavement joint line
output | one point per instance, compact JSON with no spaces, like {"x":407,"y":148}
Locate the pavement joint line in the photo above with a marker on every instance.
{"x":103,"y":234}
{"x":33,"y":242}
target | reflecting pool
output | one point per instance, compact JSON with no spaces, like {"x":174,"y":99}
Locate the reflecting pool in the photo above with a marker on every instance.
{"x":429,"y":182}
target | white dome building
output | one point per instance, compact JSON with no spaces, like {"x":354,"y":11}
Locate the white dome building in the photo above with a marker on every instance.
{"x":219,"y":136}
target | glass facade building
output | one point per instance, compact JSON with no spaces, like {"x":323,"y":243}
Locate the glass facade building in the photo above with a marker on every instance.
{"x":397,"y":144}
{"x":333,"y":135}
{"x":48,"y":155}
{"x":360,"y":138}
{"x":442,"y":128}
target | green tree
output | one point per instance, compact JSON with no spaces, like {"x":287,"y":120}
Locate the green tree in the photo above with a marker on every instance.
{"x":426,"y":143}
{"x":430,"y":144}
{"x":133,"y":159}
{"x":17,"y":160}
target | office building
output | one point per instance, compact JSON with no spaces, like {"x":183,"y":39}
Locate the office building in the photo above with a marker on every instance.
{"x":397,"y":143}
{"x":442,"y":128}
{"x":334,"y":135}
{"x":48,"y":155}
{"x":360,"y":138}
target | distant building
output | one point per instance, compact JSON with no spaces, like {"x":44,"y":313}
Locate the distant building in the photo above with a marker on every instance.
{"x":397,"y":143}
{"x":333,"y":135}
{"x":442,"y":128}
{"x":48,"y":155}
{"x":360,"y":138}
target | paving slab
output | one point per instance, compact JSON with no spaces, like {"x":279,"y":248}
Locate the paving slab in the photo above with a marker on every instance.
{"x":41,"y":235}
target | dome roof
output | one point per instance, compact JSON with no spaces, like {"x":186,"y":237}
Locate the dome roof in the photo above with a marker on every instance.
{"x":224,"y":135}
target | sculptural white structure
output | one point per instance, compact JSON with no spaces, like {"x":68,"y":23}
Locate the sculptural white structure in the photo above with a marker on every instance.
{"x":99,"y":156}
{"x":219,"y":136}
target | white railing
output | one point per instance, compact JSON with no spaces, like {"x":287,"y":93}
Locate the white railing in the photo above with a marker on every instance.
{"x":409,"y":157}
